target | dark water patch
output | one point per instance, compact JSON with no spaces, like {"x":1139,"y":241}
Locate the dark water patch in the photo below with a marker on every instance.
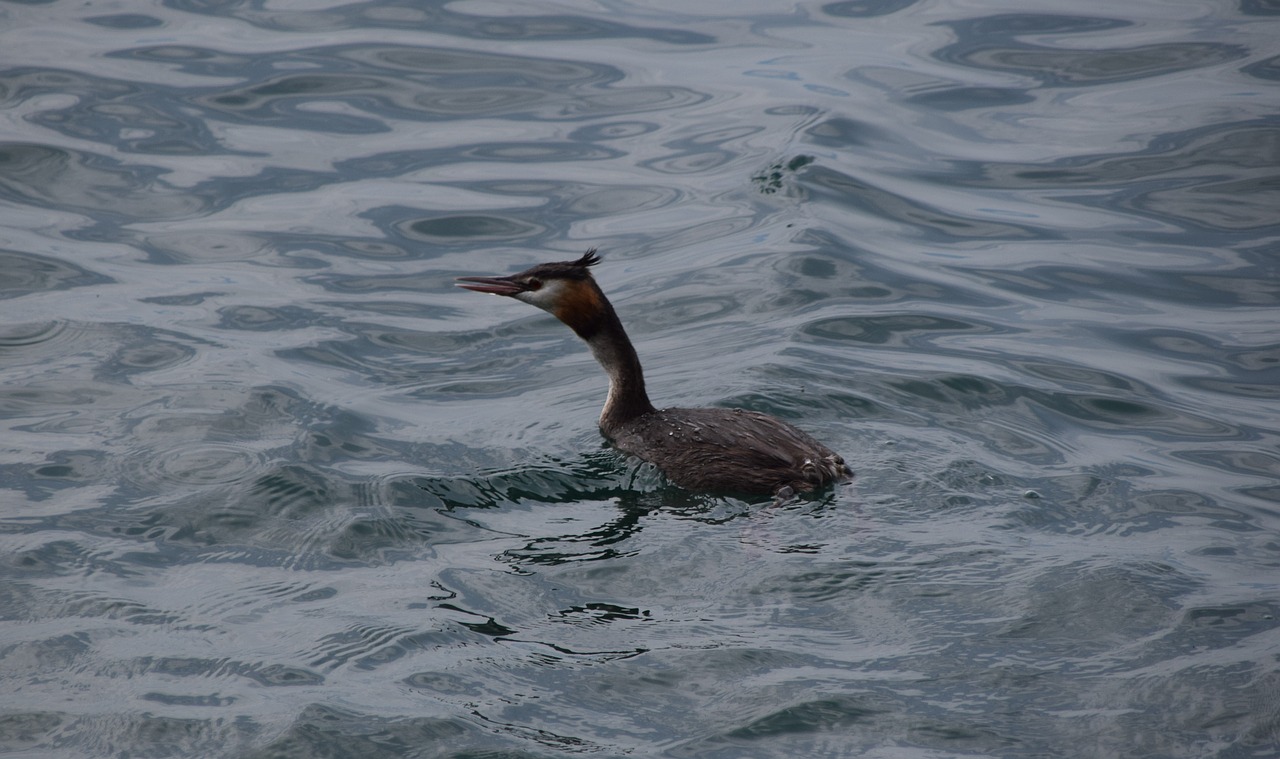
{"x":802,"y":408}
{"x":866,"y":8}
{"x":1085,"y":607}
{"x":291,"y":493}
{"x":373,"y":647}
{"x":34,"y":402}
{"x":955,"y":391}
{"x":267,"y":319}
{"x":607,"y":542}
{"x":141,"y":350}
{"x":1011,"y":25}
{"x":622,"y":495}
{"x":125,"y":21}
{"x":1217,"y":703}
{"x":197,"y":463}
{"x":290,"y":516}
{"x":176,"y":699}
{"x":1124,"y":500}
{"x":1115,"y":291}
{"x":812,"y":716}
{"x":1236,"y":205}
{"x":1078,"y":377}
{"x":473,"y":103}
{"x":110,"y":733}
{"x":595,"y":202}
{"x":469,"y":229}
{"x":16,"y":338}
{"x":992,"y":43}
{"x":864,"y":196}
{"x":282,"y":249}
{"x":541,"y":152}
{"x":445,"y":20}
{"x":837,"y":268}
{"x":958,"y":98}
{"x":1228,"y":148}
{"x":276,"y":100}
{"x":1223,"y":624}
{"x":323,"y":730}
{"x":22,"y":730}
{"x":558,"y":202}
{"x":39,"y":603}
{"x":846,"y":581}
{"x":424,"y":343}
{"x":693,"y":236}
{"x":1258,"y":462}
{"x":126,"y":115}
{"x":372,"y":249}
{"x":58,"y":471}
{"x":1152,"y":416}
{"x":376,"y":358}
{"x":963,"y":486}
{"x":673,"y":312}
{"x":700,"y":152}
{"x":60,"y":557}
{"x":843,"y":133}
{"x":20,"y":84}
{"x":23,"y":273}
{"x":1259,"y":8}
{"x":43,"y":175}
{"x":187,"y":299}
{"x":1267,"y":495}
{"x":202,"y":61}
{"x":613,"y":130}
{"x":1213,"y":178}
{"x":275,"y":675}
{"x":459,"y":68}
{"x":919,"y":331}
{"x":1267,"y":70}
{"x":592,"y":478}
{"x":382,"y":538}
{"x":952,"y":399}
{"x":1237,"y":358}
{"x":550,"y":151}
{"x":393,"y":82}
{"x":851,"y":723}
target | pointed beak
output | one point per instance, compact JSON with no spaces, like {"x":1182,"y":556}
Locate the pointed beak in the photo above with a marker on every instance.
{"x":494,"y":285}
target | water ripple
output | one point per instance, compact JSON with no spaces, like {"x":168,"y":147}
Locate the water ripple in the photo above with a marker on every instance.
{"x":195,"y":463}
{"x":88,"y":183}
{"x":22,"y":273}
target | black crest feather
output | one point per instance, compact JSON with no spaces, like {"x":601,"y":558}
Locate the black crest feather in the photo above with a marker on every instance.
{"x":590,"y":258}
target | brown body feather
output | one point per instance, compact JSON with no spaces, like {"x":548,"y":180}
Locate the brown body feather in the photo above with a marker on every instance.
{"x":729,"y":451}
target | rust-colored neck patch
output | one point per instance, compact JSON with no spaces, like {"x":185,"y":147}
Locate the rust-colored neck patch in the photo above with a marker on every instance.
{"x":580,"y":305}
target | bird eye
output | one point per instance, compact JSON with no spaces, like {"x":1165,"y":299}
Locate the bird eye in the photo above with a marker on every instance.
{"x":533,"y":284}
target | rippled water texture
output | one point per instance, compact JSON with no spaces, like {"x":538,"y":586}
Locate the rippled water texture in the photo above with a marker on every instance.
{"x":272,"y":487}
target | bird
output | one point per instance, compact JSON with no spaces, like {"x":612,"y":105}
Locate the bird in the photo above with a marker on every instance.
{"x":710,"y":450}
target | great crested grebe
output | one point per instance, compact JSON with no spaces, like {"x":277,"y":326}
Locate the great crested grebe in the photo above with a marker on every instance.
{"x":705,"y":449}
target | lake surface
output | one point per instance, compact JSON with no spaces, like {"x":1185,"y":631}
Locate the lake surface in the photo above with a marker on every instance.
{"x":273,"y":487}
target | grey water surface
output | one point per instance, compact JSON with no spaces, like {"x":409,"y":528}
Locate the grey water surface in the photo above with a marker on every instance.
{"x":270,"y":486}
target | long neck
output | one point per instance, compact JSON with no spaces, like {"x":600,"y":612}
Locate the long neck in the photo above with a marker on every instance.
{"x":612,"y":348}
